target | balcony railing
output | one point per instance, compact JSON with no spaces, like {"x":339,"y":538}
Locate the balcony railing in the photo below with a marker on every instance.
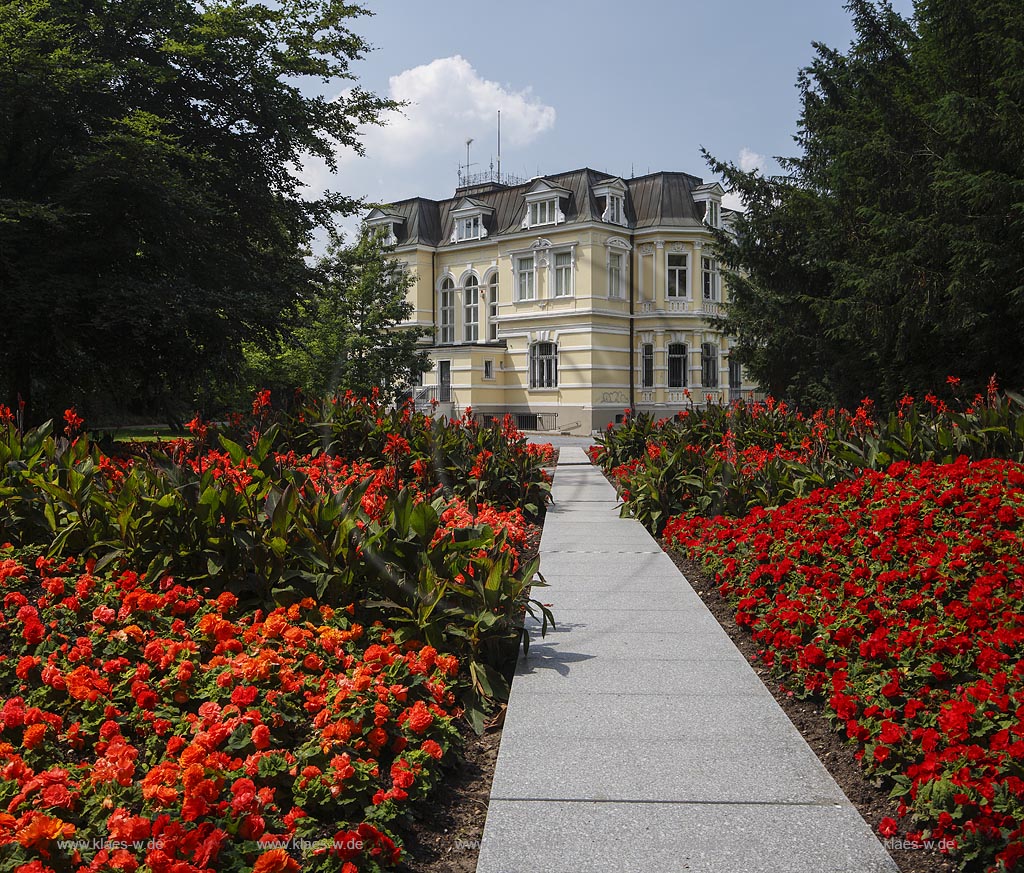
{"x":711,"y":309}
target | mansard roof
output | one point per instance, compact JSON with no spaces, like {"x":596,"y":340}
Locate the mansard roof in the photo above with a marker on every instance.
{"x":661,"y":199}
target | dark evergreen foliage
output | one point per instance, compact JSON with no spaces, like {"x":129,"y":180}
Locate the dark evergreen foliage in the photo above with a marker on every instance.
{"x":891,"y":255}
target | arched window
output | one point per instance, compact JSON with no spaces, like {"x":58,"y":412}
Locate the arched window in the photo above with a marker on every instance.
{"x":543,"y":365}
{"x":709,"y":365}
{"x":471,"y":297}
{"x":446,"y":312}
{"x":677,"y":365}
{"x":492,"y":308}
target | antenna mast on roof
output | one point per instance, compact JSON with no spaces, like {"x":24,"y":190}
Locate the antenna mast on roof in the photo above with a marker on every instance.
{"x":499,"y":145}
{"x":464,"y":174}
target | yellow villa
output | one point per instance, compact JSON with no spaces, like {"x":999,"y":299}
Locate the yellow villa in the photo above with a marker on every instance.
{"x":566,"y":299}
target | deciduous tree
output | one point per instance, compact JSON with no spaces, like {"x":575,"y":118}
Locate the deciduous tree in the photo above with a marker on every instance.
{"x":350,"y":336}
{"x":151,"y":216}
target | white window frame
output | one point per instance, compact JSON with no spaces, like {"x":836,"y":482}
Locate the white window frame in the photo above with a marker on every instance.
{"x":489,"y":370}
{"x":542,"y":212}
{"x":709,"y":365}
{"x":684,"y":364}
{"x":710,"y":278}
{"x":469,"y":228}
{"x":714,"y":213}
{"x":616,"y":209}
{"x":471,"y":309}
{"x":647,"y":365}
{"x":446,"y":312}
{"x":492,"y":307}
{"x":670,"y":270}
{"x":526,"y":276}
{"x":543,"y":367}
{"x":563,"y":276}
{"x":616,"y":260}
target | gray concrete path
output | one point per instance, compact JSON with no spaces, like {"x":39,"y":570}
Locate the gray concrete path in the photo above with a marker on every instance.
{"x":638,"y":738}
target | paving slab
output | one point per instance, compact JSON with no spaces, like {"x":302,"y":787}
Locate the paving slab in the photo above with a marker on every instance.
{"x":544,"y":673}
{"x":637,"y":737}
{"x":616,"y":770}
{"x":524,"y":836}
{"x":624,"y":539}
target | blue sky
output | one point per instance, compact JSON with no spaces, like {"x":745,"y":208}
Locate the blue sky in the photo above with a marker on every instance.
{"x":621,"y":87}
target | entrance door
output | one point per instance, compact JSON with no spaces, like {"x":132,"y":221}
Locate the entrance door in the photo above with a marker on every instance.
{"x":444,"y":381}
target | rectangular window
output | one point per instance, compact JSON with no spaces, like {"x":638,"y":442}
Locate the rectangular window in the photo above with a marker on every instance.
{"x":614,"y":275}
{"x":542,"y":213}
{"x":709,"y":273}
{"x":446,"y":312}
{"x":713,"y":213}
{"x":647,"y":365}
{"x":444,"y":381}
{"x":615,"y":212}
{"x":678,"y":279}
{"x":563,"y":274}
{"x":469,"y":228}
{"x":677,"y":365}
{"x":472,"y":313}
{"x":492,"y":309}
{"x":488,"y":369}
{"x":543,"y":365}
{"x":709,"y":365}
{"x":525,"y":288}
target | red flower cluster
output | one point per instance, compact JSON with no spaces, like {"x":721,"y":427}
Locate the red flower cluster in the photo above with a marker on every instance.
{"x":895,"y":597}
{"x":309,"y":719}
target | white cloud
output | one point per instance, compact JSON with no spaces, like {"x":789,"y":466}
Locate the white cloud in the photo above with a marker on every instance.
{"x":751,"y":160}
{"x":732,"y":201}
{"x":448,"y":102}
{"x":418,"y":150}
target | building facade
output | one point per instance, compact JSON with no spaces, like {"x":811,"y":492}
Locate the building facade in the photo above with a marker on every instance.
{"x":569,"y":298}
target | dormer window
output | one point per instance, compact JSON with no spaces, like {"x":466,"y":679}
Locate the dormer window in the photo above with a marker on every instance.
{"x":469,"y":220}
{"x":544,"y":203}
{"x":708,"y":200}
{"x":611,"y":201}
{"x":387,"y":223}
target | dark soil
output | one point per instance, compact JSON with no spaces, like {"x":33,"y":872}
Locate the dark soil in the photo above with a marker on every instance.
{"x":445,"y":837}
{"x":835,"y":754}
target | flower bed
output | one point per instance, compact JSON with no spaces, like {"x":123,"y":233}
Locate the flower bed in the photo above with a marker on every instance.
{"x":878,"y":564}
{"x":163,"y":728}
{"x":731,"y":459}
{"x":246,"y":650}
{"x":895,"y":597}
